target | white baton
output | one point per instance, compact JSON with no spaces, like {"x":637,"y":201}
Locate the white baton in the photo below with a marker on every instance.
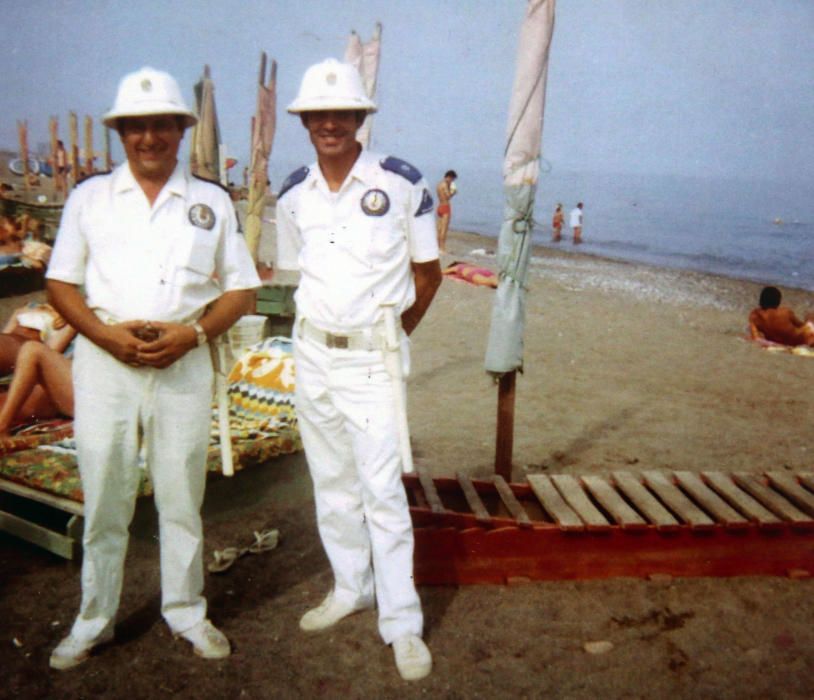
{"x":216,"y":349}
{"x":392,"y":361}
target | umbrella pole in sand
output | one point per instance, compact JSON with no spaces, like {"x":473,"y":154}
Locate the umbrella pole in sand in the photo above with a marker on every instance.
{"x":521,"y":165}
{"x":22,"y":133}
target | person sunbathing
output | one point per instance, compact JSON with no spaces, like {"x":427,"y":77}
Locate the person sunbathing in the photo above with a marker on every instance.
{"x":41,"y":387}
{"x":779,"y":324}
{"x":38,"y":322}
{"x":471,"y":273}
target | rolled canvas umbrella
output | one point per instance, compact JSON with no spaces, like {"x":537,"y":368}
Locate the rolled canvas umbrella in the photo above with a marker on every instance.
{"x":22,"y":134}
{"x":365,"y":57}
{"x":521,"y":166}
{"x":264,"y":124}
{"x":205,"y":142}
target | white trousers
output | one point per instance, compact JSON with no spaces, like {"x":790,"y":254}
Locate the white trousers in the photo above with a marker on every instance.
{"x":346,"y":414}
{"x":117,"y":407}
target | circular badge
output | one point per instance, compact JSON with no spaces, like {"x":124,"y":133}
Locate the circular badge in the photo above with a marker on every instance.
{"x":375,"y":203}
{"x":202,"y":216}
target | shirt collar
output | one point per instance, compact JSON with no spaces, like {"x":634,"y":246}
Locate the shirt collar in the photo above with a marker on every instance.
{"x":124,"y":180}
{"x":363,"y":170}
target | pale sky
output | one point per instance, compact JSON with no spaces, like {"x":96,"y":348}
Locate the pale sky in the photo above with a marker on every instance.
{"x":699,"y":87}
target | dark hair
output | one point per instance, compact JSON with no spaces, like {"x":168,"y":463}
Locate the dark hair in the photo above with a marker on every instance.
{"x":451,"y":173}
{"x":770,"y":298}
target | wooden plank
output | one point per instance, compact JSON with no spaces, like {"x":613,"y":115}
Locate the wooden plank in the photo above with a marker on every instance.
{"x":552,"y":502}
{"x":738,"y":499}
{"x":771,"y":499}
{"x":575,"y":497}
{"x":649,"y":506}
{"x":787,"y":485}
{"x":807,"y":480}
{"x":676,"y":501}
{"x":473,"y":499}
{"x":611,"y":501}
{"x":510,"y":501}
{"x":58,"y":502}
{"x":710,"y":500}
{"x":430,"y":492}
{"x":41,"y":536}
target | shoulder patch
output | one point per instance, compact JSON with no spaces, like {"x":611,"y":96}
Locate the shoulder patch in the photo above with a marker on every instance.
{"x":426,"y":203}
{"x":293,"y":180}
{"x":212,"y":182}
{"x":93,"y":175}
{"x":401,"y":167}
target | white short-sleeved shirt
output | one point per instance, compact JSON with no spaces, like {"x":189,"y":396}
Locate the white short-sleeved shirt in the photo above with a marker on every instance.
{"x":576,"y":217}
{"x":159,"y":263}
{"x":354,"y":247}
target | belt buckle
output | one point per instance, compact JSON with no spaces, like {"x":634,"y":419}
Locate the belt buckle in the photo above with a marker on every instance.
{"x":338,"y":342}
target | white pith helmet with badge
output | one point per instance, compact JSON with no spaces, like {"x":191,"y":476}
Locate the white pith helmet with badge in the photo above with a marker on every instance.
{"x":331,"y":85}
{"x":147,"y":92}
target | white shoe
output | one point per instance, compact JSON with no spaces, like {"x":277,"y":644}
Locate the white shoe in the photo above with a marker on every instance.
{"x":413,"y":659}
{"x":207,"y":641}
{"x":71,"y":651}
{"x":327,"y":614}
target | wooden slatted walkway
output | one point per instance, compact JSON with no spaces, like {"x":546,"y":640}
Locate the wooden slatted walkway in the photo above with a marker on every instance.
{"x":471,"y":530}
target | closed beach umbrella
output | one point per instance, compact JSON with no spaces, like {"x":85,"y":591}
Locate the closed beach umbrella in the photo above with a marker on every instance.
{"x":205,"y":142}
{"x":263,"y":127}
{"x":365,"y":58}
{"x":521,"y":166}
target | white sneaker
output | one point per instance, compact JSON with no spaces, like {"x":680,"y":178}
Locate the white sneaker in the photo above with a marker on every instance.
{"x":207,"y":641}
{"x":413,"y":659}
{"x":327,"y":614}
{"x":71,"y":651}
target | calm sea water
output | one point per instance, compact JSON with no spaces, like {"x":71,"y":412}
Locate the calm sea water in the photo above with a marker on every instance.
{"x":743,"y":229}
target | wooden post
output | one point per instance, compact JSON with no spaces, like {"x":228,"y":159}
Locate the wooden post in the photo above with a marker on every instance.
{"x":90,"y":168}
{"x":505,"y":425}
{"x":108,"y":157}
{"x":74,"y":129}
{"x":22,"y":132}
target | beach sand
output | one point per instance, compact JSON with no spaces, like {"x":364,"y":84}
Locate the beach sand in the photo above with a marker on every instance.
{"x":626,"y":368}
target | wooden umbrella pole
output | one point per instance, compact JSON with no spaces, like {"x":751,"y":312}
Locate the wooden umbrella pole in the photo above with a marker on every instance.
{"x":505,"y":425}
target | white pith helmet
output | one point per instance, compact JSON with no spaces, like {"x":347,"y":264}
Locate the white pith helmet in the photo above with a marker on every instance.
{"x":331,"y":85}
{"x":148,"y":91}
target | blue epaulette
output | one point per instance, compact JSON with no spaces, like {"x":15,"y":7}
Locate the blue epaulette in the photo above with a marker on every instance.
{"x":212,"y":182}
{"x":293,"y":180}
{"x":401,"y":167}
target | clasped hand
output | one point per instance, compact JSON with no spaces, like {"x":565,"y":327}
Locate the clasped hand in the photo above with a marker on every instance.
{"x":150,"y":343}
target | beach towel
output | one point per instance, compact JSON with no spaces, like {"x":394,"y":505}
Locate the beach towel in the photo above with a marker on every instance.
{"x":771,"y":346}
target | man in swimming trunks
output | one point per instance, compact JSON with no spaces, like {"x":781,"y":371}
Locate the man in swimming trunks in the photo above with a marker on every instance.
{"x":776,"y":323}
{"x":576,"y":223}
{"x":446,"y":191}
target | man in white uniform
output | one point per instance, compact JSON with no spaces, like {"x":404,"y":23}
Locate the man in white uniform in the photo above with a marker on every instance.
{"x":164,"y":269}
{"x":360,"y":229}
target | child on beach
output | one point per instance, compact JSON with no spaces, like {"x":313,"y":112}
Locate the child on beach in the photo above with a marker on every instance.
{"x":779,"y":324}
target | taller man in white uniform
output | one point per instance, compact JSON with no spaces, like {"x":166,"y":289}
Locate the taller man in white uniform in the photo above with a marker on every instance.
{"x":164,"y":270}
{"x":360,"y":229}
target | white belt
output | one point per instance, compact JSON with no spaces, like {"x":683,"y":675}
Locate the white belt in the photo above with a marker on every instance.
{"x":363,"y":339}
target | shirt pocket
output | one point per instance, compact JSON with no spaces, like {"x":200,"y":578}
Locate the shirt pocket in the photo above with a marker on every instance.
{"x":387,"y":236}
{"x":194,"y":252}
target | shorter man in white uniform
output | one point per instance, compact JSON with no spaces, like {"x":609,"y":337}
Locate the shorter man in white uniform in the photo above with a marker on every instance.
{"x":360,"y":229}
{"x":576,"y":223}
{"x":164,"y":269}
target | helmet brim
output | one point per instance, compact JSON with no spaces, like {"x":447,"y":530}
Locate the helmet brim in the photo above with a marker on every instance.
{"x":110,"y":118}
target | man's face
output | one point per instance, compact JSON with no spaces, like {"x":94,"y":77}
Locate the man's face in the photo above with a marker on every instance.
{"x":151,"y":144}
{"x":333,"y":132}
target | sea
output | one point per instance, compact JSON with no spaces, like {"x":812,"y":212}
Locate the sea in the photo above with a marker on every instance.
{"x":755,"y":230}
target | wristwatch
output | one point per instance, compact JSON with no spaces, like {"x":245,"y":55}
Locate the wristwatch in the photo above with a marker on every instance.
{"x":200,"y":334}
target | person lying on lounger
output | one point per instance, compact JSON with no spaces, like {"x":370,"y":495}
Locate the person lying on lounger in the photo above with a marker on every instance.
{"x":38,"y":322}
{"x":779,"y":324}
{"x":41,"y":387}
